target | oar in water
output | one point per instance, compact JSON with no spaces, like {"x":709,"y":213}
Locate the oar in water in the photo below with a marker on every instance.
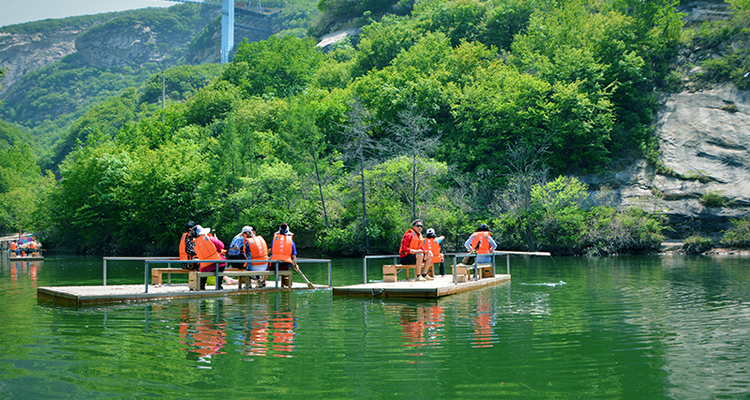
{"x":309,"y":285}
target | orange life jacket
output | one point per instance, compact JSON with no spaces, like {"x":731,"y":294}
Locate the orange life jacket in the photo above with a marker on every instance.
{"x":484,"y":246}
{"x":32,"y":245}
{"x":432,"y":245}
{"x":205,"y":250}
{"x":282,"y":247}
{"x":13,"y":246}
{"x":183,"y":252}
{"x":258,"y":249}
{"x":416,"y":241}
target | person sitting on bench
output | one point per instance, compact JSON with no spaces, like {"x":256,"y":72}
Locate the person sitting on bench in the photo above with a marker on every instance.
{"x":482,"y":242}
{"x":412,"y":252}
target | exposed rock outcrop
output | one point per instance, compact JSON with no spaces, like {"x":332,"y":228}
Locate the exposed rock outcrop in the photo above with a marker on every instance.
{"x":23,"y":53}
{"x":130,"y":45}
{"x":705,"y":142}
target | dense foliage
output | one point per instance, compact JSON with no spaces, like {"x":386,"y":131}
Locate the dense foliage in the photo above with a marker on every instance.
{"x":458,"y":113}
{"x":422,"y":119}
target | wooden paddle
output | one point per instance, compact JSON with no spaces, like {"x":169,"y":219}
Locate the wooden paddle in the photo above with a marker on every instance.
{"x":309,"y":285}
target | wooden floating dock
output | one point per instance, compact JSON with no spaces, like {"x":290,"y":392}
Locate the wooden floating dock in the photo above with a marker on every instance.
{"x":26,"y":258}
{"x":96,"y":295}
{"x":439,"y":287}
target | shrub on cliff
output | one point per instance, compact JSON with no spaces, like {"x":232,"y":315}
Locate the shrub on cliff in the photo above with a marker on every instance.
{"x":738,"y":235}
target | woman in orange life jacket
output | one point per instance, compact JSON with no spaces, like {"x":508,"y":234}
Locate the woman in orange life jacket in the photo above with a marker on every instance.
{"x":283,"y":248}
{"x":482,"y":242}
{"x":207,"y":247}
{"x":432,"y":243}
{"x":187,"y":251}
{"x":412,"y":251}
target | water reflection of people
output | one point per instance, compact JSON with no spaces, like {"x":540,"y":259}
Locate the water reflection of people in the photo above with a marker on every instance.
{"x":276,"y":329}
{"x":483,"y":324}
{"x":202,"y":333}
{"x":421,"y":324}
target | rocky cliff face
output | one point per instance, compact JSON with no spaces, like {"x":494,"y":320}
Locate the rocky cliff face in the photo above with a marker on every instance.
{"x":705,"y":143}
{"x":23,"y":53}
{"x":132,"y":45}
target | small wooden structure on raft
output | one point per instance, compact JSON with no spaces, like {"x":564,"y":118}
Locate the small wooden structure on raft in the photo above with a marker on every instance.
{"x":159,"y":290}
{"x":463,"y":278}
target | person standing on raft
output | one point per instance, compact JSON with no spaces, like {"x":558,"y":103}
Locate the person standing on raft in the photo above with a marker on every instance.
{"x":412,"y":251}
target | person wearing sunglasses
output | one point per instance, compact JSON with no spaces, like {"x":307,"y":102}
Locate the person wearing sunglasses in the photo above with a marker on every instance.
{"x":412,"y":251}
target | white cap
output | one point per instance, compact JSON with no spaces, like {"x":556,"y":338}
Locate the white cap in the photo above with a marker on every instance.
{"x":199,"y":230}
{"x":247,"y":229}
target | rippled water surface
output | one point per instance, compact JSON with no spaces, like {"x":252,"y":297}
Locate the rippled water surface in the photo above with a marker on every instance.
{"x":564,"y":328}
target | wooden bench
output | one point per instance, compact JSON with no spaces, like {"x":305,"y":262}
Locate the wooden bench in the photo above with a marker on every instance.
{"x":390,"y":272}
{"x":464,"y":272}
{"x":243,"y":275}
{"x":156,"y":274}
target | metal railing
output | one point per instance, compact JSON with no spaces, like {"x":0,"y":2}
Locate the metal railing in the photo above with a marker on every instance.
{"x":169,"y":260}
{"x":455,"y":256}
{"x":106,"y":259}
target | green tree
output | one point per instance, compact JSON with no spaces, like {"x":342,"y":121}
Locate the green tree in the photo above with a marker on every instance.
{"x":274,"y":67}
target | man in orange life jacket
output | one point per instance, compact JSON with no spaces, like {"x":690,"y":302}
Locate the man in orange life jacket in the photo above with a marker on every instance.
{"x":482,"y":242}
{"x":249,"y":246}
{"x":239,"y":248}
{"x":432,"y":244}
{"x":187,"y":252}
{"x":412,"y":251}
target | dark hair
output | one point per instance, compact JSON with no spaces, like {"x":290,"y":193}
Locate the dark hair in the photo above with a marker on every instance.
{"x":416,"y":221}
{"x":483,"y":228}
{"x":430,"y":235}
{"x":190,"y":225}
{"x":283,"y":228}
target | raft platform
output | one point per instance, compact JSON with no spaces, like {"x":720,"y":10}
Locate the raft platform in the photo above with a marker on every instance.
{"x":26,"y":258}
{"x":460,"y":278}
{"x":78,"y":296}
{"x":439,"y":287}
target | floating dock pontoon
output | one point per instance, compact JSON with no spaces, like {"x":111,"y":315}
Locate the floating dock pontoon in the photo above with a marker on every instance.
{"x":152,"y":291}
{"x":461,"y":279}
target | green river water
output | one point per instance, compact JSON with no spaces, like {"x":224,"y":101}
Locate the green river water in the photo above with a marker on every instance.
{"x":563,"y":328}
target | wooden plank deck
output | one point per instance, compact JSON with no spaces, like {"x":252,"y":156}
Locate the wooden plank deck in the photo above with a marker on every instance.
{"x":26,"y":258}
{"x":95,"y":295}
{"x":440,"y":287}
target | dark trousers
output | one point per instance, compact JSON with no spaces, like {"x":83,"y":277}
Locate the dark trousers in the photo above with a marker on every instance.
{"x":204,"y":278}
